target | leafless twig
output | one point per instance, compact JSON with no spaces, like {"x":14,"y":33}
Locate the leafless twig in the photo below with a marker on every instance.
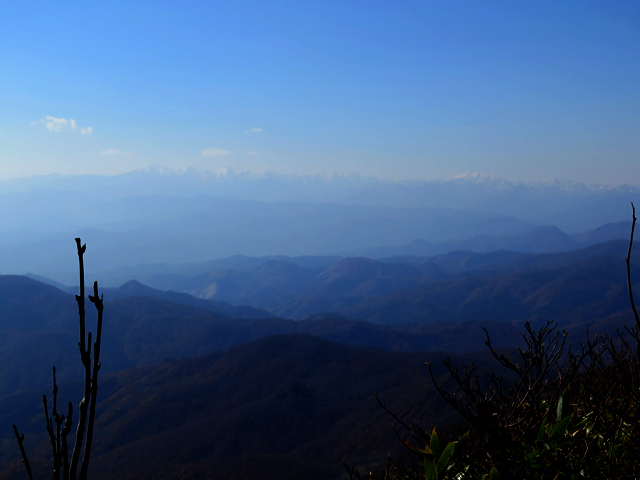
{"x":20,"y":439}
{"x":634,"y":331}
{"x":58,"y":426}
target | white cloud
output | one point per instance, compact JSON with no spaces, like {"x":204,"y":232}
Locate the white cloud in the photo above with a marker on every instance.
{"x":214,"y":152}
{"x":54,"y":124}
{"x":252,"y":153}
{"x":112,"y":151}
{"x":58,"y":124}
{"x":254,"y":130}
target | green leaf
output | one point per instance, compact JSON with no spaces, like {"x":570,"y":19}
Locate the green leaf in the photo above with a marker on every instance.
{"x":541,"y":431}
{"x":430,"y":470}
{"x":559,"y":409}
{"x":613,"y":450}
{"x":446,"y":456}
{"x":495,"y":475}
{"x":435,"y":443}
{"x":577,"y":426}
{"x":533,"y":459}
{"x":563,"y":405}
{"x":561,"y":428}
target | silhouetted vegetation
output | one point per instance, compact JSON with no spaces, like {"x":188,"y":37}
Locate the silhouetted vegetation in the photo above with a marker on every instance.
{"x":59,"y":426}
{"x":558,"y":413}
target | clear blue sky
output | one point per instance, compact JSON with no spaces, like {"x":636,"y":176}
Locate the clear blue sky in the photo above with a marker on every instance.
{"x":397,"y":89}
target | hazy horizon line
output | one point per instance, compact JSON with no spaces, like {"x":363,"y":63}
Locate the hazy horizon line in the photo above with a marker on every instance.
{"x":228,"y":172}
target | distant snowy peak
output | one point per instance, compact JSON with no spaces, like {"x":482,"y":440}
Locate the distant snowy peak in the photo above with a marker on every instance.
{"x":477,"y":177}
{"x":566,"y":185}
{"x":356,"y":180}
{"x":463,"y":191}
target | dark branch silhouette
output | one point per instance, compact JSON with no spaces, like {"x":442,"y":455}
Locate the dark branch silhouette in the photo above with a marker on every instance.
{"x":20,"y":439}
{"x":635,"y":330}
{"x":59,"y":426}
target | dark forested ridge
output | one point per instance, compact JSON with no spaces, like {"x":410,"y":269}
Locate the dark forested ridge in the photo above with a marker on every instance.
{"x":281,"y":401}
{"x":143,"y":330}
{"x":457,"y":286}
{"x":134,"y":288}
{"x":584,"y":287}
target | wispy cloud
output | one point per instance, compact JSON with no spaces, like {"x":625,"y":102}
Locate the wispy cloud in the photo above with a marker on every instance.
{"x":112,"y":151}
{"x":252,"y":153}
{"x":254,"y":130}
{"x":214,"y":152}
{"x":54,"y":124}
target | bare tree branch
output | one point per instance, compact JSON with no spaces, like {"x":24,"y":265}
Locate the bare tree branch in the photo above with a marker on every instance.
{"x":86,"y":362}
{"x":635,"y":331}
{"x":97,"y":301}
{"x":20,"y":439}
{"x":64,"y":449}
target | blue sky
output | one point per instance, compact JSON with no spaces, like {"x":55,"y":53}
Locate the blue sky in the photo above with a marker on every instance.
{"x":396,"y":89}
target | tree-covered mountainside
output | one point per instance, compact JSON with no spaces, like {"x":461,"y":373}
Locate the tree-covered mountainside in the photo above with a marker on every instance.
{"x":452,"y":287}
{"x":259,"y":410}
{"x":39,"y":323}
{"x":134,"y":288}
{"x":146,"y":328}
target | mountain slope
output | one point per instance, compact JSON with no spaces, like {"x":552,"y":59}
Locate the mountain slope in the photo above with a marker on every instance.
{"x":134,"y":288}
{"x":40,"y":329}
{"x":300,"y":401}
{"x":454,"y":287}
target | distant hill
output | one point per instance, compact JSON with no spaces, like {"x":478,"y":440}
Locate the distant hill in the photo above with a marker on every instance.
{"x":569,"y":205}
{"x":48,"y":281}
{"x":29,"y":305}
{"x":161,"y":228}
{"x":543,"y":239}
{"x":39,"y":328}
{"x":457,"y":286}
{"x":134,"y":288}
{"x":157,"y":216}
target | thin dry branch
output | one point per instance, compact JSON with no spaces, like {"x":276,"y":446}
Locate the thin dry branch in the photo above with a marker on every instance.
{"x":64,"y":449}
{"x":86,"y":362}
{"x":25,"y":460}
{"x":97,"y":301}
{"x":635,"y":331}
